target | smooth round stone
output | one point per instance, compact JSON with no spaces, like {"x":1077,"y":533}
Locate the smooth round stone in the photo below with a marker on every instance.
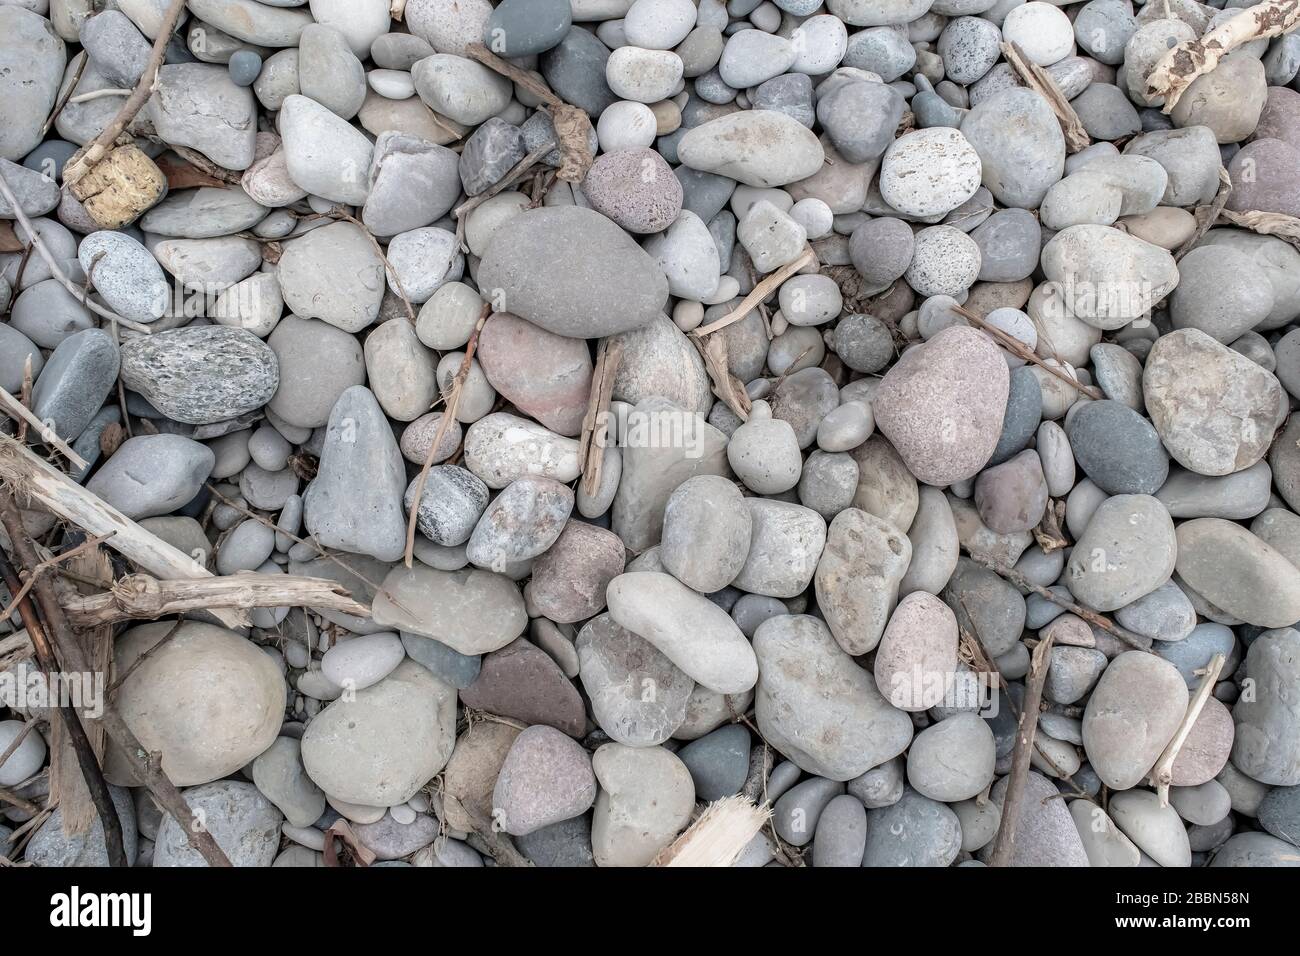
{"x":546,"y":778}
{"x":840,"y":838}
{"x":754,"y":147}
{"x":635,"y":188}
{"x":1012,"y":496}
{"x":1228,"y":101}
{"x":1132,"y":714}
{"x":919,"y":645}
{"x":886,"y":488}
{"x":953,"y":759}
{"x":153,"y":475}
{"x":807,"y":686}
{"x":1280,"y":529}
{"x":695,"y":634}
{"x":245,"y":66}
{"x":381,"y":745}
{"x":201,"y":375}
{"x":644,"y":76}
{"x":828,"y":482}
{"x":1107,"y":278}
{"x":1254,"y":849}
{"x":946,"y":262}
{"x":1221,"y":292}
{"x":246,"y":548}
{"x":207,"y":698}
{"x":752,"y":56}
{"x":1206,"y":748}
{"x":125,"y":275}
{"x":1117,"y":448}
{"x":845,"y":427}
{"x":1165,"y":614}
{"x":362,"y":661}
{"x":445,"y":663}
{"x":564,"y":844}
{"x":718,"y":762}
{"x":447,"y":320}
{"x":646,"y":798}
{"x":1023,"y":414}
{"x":520,"y":523}
{"x":786,"y":542}
{"x":617,"y":668}
{"x":1214,"y":409}
{"x":796,"y":812}
{"x":764,"y":453}
{"x":75,"y":381}
{"x":915,"y":831}
{"x":1265,"y":747}
{"x":520,"y":28}
{"x":1156,"y":830}
{"x":278,"y":773}
{"x":1243,"y":494}
{"x":706,"y":533}
{"x":1252,"y":581}
{"x":412,"y":184}
{"x":882,"y":249}
{"x":863,"y":343}
{"x":460,"y":89}
{"x":1020,"y":145}
{"x":501,"y":447}
{"x":333,"y":273}
{"x":325,"y":155}
{"x":942,"y":405}
{"x":1127,"y":551}
{"x":880,"y":786}
{"x":969,"y":47}
{"x":15,"y":351}
{"x":631,"y":292}
{"x":568,"y":581}
{"x":860,"y":118}
{"x":1072,"y":673}
{"x":929,"y":172}
{"x":626,"y":125}
{"x":810,"y":300}
{"x":1009,"y":242}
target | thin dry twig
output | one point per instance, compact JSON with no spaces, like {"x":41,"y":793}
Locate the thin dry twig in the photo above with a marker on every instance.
{"x":1041,"y":82}
{"x":591,"y":446}
{"x":1162,"y":774}
{"x":516,"y":172}
{"x":19,"y":411}
{"x":448,"y":414}
{"x":760,"y":292}
{"x":1021,"y":350}
{"x":1004,"y":848}
{"x":338,"y":212}
{"x":141,"y":597}
{"x":1183,"y":64}
{"x":1136,"y":641}
{"x":56,"y":270}
{"x":149,"y":652}
{"x":82,"y":59}
{"x":1207,"y":215}
{"x":106,"y":140}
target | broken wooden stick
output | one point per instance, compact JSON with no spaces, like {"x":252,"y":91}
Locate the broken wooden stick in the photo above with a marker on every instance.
{"x":1162,"y":774}
{"x":1041,"y":82}
{"x":1021,"y":350}
{"x":595,"y":430}
{"x":717,"y":836}
{"x":144,"y":89}
{"x":32,"y":478}
{"x":1207,"y":215}
{"x":760,"y":292}
{"x":448,"y":415}
{"x":1136,"y":641}
{"x":141,"y":597}
{"x":1027,"y":729}
{"x":21,"y":413}
{"x":53,"y":624}
{"x":1185,"y":63}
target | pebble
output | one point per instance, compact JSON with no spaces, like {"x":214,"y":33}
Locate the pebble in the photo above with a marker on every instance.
{"x":1130,"y":717}
{"x":152,"y":475}
{"x":546,"y":778}
{"x":646,"y":797}
{"x":754,"y":147}
{"x":244,"y":823}
{"x":523,"y":682}
{"x":76,"y":379}
{"x":915,"y":831}
{"x":202,"y":375}
{"x":616,"y":667}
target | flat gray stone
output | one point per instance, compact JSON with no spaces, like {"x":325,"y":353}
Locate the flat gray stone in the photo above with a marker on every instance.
{"x":201,"y":375}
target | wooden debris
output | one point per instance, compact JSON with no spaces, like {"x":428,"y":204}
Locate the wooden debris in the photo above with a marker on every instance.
{"x":1005,"y":845}
{"x":595,"y":430}
{"x":717,"y":836}
{"x":1162,"y":774}
{"x":141,"y":597}
{"x":32,"y":478}
{"x":19,"y":412}
{"x":1266,"y":224}
{"x":726,"y":386}
{"x":1181,"y":66}
{"x":1041,"y":82}
{"x":181,"y":174}
{"x":92,"y":155}
{"x":1207,"y":215}
{"x":760,"y":292}
{"x":1021,"y":350}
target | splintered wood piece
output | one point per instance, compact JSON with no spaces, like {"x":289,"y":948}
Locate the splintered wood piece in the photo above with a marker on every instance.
{"x":591,"y":447}
{"x":1041,"y":82}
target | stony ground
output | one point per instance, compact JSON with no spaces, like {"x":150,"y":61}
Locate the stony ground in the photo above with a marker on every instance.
{"x":784,"y":397}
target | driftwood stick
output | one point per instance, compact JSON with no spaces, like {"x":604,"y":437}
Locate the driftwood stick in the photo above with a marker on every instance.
{"x":138,"y":596}
{"x":717,"y":836}
{"x":1041,"y":82}
{"x":33,"y":478}
{"x":96,"y":785}
{"x":147,"y":766}
{"x":760,"y":292}
{"x":595,"y":431}
{"x":1136,"y":641}
{"x":105,"y":141}
{"x":1021,"y":350}
{"x":1181,"y":66}
{"x":1207,"y":215}
{"x":448,"y":414}
{"x":78,"y":292}
{"x":1162,"y":774}
{"x":1020,"y":757}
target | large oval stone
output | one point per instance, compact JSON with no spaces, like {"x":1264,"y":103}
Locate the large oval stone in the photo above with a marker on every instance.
{"x":1131,"y":716}
{"x":608,"y":285}
{"x":1238,"y":572}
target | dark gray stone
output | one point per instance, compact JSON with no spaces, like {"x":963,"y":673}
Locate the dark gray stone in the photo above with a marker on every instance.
{"x":915,"y":831}
{"x":1022,"y":417}
{"x":452,"y":503}
{"x":457,"y":669}
{"x":1118,"y":449}
{"x":75,"y":381}
{"x":490,"y":153}
{"x":718,"y":762}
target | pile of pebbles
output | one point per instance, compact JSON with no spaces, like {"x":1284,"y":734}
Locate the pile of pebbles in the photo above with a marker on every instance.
{"x":775,"y":595}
